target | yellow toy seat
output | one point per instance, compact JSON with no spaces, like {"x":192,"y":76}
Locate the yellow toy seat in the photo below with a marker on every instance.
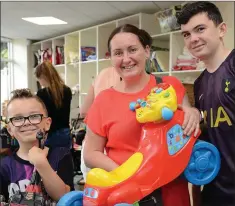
{"x":101,"y":178}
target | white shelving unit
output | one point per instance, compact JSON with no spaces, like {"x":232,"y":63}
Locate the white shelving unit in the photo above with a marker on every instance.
{"x":175,"y":43}
{"x":75,"y":71}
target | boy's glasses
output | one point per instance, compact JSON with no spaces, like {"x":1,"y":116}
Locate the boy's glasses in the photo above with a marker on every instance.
{"x":20,"y":120}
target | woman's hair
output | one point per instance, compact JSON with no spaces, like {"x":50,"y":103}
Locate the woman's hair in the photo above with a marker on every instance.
{"x":56,"y":85}
{"x":144,"y":37}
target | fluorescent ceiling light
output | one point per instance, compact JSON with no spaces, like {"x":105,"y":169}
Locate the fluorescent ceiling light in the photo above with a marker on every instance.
{"x":47,"y":20}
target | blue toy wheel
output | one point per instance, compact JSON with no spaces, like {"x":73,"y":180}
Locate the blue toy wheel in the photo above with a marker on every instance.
{"x":204,"y":164}
{"x":74,"y":198}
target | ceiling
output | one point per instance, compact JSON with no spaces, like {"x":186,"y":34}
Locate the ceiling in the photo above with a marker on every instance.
{"x":78,"y":15}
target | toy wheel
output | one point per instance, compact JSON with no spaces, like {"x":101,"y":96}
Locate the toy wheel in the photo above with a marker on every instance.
{"x":204,"y":164}
{"x":74,"y":198}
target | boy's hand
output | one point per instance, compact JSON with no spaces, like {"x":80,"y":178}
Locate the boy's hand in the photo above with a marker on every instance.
{"x":37,"y":156}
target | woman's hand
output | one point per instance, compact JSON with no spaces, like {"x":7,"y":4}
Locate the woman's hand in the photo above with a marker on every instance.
{"x":191,"y":120}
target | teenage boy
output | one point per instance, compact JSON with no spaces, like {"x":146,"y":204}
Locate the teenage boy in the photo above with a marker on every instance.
{"x":203,"y":31}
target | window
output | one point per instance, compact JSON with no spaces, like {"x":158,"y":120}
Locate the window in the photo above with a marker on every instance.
{"x":6,"y":69}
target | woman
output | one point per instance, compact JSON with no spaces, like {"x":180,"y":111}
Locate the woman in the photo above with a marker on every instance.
{"x":107,"y":78}
{"x":57,"y":98}
{"x":111,"y":124}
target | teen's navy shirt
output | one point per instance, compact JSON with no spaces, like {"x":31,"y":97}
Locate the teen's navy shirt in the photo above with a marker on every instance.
{"x":215,"y":96}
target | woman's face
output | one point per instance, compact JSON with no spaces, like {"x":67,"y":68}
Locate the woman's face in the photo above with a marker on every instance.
{"x":128,"y":56}
{"x":42,"y":81}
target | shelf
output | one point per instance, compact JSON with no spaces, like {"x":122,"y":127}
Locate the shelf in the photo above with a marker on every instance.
{"x":87,"y":62}
{"x":73,"y":63}
{"x":187,"y":71}
{"x":88,"y":73}
{"x":104,"y":64}
{"x":187,"y":82}
{"x":71,"y":48}
{"x":75,"y":71}
{"x":164,"y":37}
{"x":36,"y":47}
{"x":160,"y":73}
{"x":177,"y":47}
{"x":72,"y":77}
{"x":88,"y":38}
{"x":187,"y":77}
{"x":149,"y":23}
{"x":46,"y":44}
{"x":61,"y":71}
{"x":81,"y":99}
{"x":59,"y":65}
{"x":166,"y":34}
{"x":104,"y":32}
{"x":103,"y":60}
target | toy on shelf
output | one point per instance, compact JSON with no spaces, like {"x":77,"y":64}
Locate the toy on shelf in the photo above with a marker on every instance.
{"x":107,"y":55}
{"x":59,"y":55}
{"x":158,"y":61}
{"x":187,"y":61}
{"x":47,"y":55}
{"x":75,"y":89}
{"x":168,"y":19}
{"x":164,"y":154}
{"x":88,"y":53}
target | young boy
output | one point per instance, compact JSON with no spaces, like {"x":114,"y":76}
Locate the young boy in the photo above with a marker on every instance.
{"x":203,"y":30}
{"x":27,"y":115}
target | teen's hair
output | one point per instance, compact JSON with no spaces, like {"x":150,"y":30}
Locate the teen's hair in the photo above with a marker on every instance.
{"x":56,"y":85}
{"x":25,"y":94}
{"x":144,"y":37}
{"x":192,"y":9}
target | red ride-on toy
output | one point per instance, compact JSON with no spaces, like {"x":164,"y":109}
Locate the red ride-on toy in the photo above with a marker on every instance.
{"x":164,"y":154}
